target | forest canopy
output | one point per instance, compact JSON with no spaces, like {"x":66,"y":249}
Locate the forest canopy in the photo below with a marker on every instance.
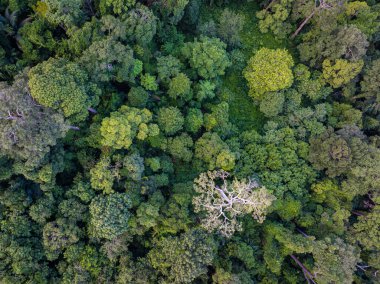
{"x":189,"y":141}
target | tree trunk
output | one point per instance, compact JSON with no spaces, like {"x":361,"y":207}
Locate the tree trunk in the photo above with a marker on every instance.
{"x":304,"y":269}
{"x":302,"y":24}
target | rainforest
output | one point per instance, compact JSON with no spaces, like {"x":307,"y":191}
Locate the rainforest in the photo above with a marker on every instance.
{"x":189,"y":141}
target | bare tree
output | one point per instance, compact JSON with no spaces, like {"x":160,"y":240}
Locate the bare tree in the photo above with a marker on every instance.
{"x":223,"y":201}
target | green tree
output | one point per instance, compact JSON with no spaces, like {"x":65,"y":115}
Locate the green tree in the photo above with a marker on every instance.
{"x":66,"y":12}
{"x":58,"y":235}
{"x":269,"y":70}
{"x":102,"y":175}
{"x":207,"y":56}
{"x":149,"y":82}
{"x":274,"y":18}
{"x":138,"y":97}
{"x":278,"y":158}
{"x":141,"y":25}
{"x":185,"y":258}
{"x":168,"y":67}
{"x":369,"y":88}
{"x":272,"y":104}
{"x":341,"y":71}
{"x":126,"y":124}
{"x":170,"y":120}
{"x":230,"y":26}
{"x":63,"y":85}
{"x":179,"y":86}
{"x":28,"y":131}
{"x":180,"y":147}
{"x":332,"y":152}
{"x":194,"y":120}
{"x":214,"y":152}
{"x":109,"y":60}
{"x":335,"y":261}
{"x":366,"y":230}
{"x":109,"y":215}
{"x":117,"y":7}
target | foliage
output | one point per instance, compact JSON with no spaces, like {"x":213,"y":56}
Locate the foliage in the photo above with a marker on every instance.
{"x":340,"y":72}
{"x":63,"y":85}
{"x":223,"y":204}
{"x":28,"y":131}
{"x":168,"y":258}
{"x":126,"y":124}
{"x":109,"y":215}
{"x":207,"y":56}
{"x":268,"y":71}
{"x":214,"y":152}
{"x":170,"y":120}
{"x":119,"y":120}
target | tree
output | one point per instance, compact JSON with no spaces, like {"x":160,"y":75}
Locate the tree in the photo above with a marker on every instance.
{"x":278,"y":158}
{"x":109,"y":215}
{"x":109,"y":60}
{"x":335,"y":261}
{"x":180,"y":147}
{"x":346,"y":42}
{"x":272,"y":104}
{"x":332,"y":152}
{"x":63,"y":85}
{"x":102,"y":175}
{"x":67,"y":12}
{"x":185,"y":258}
{"x":179,"y":86}
{"x":36,"y":40}
{"x":149,"y":82}
{"x":133,"y":166}
{"x":366,"y":230}
{"x":214,"y":152}
{"x":117,"y":7}
{"x":170,"y":120}
{"x":341,"y":71}
{"x":172,"y":11}
{"x":194,"y":120}
{"x":141,"y":25}
{"x":28,"y":130}
{"x":126,"y":124}
{"x":58,"y":235}
{"x":369,"y":88}
{"x":223,"y":203}
{"x":274,"y":18}
{"x":230,"y":26}
{"x":208,"y":56}
{"x":168,"y":67}
{"x":138,"y":97}
{"x":269,"y":70}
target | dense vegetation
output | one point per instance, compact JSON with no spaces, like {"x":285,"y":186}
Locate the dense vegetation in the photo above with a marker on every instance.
{"x":189,"y":141}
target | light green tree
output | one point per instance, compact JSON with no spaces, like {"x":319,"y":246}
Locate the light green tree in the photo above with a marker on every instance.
{"x":341,"y":71}
{"x":126,"y":124}
{"x":269,"y":70}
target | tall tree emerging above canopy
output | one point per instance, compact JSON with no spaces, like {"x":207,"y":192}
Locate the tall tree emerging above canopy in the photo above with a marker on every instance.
{"x":223,"y":203}
{"x":63,"y":85}
{"x":269,"y":70}
{"x":27,"y":130}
